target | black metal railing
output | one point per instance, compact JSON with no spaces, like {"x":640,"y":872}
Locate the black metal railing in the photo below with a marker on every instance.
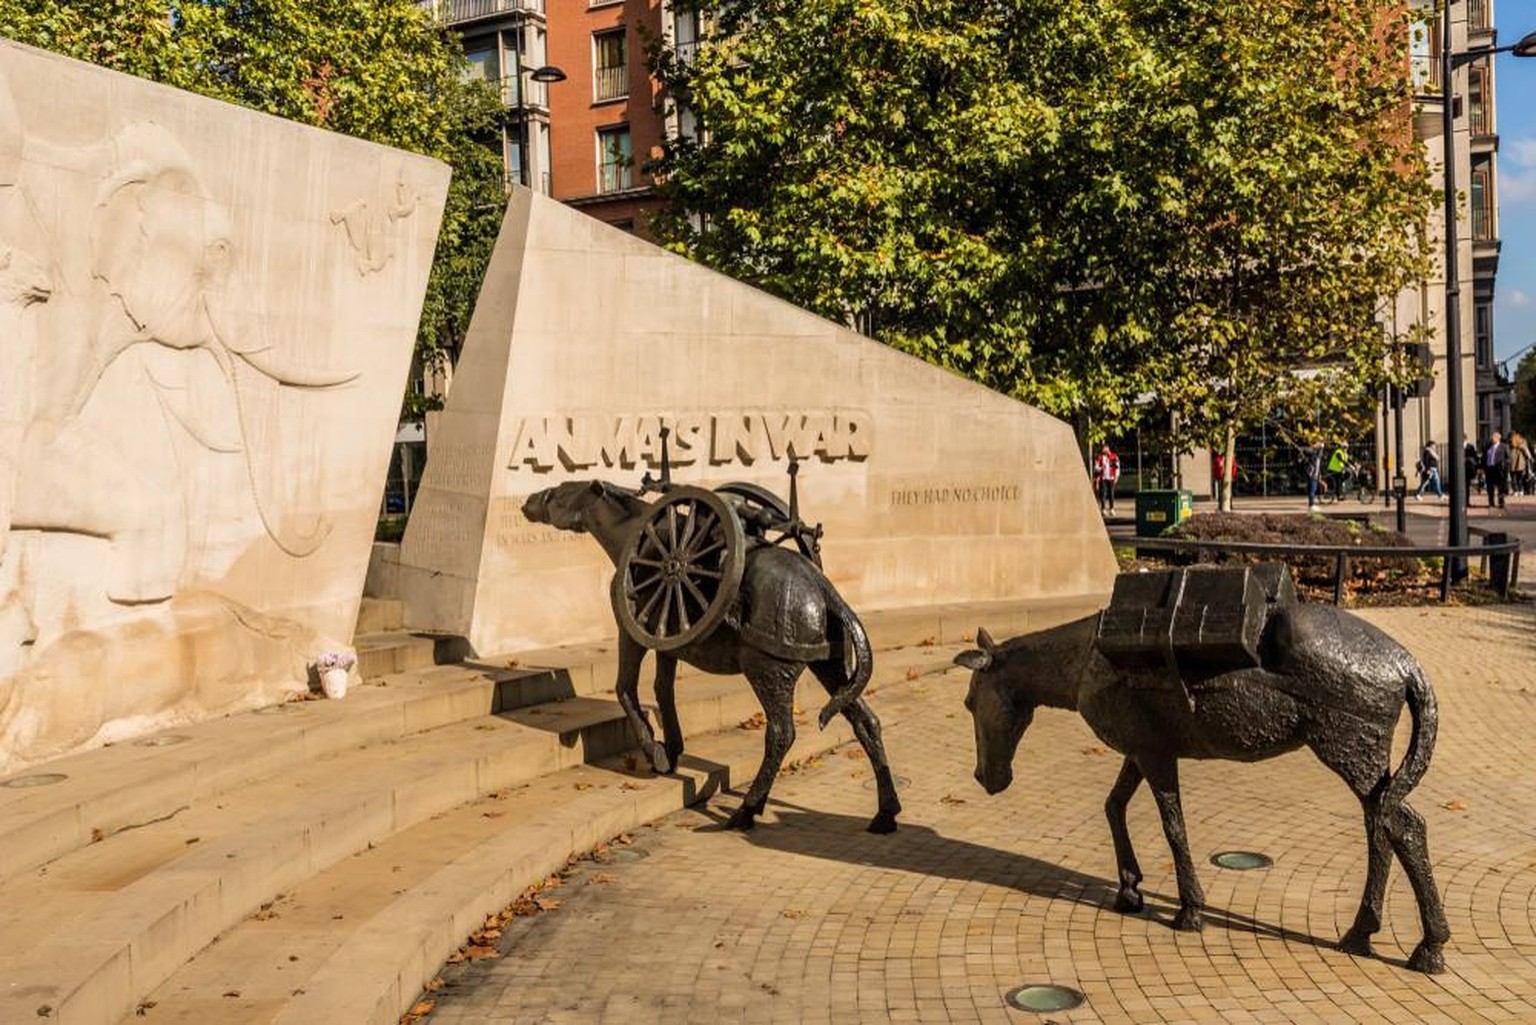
{"x":1489,"y":551}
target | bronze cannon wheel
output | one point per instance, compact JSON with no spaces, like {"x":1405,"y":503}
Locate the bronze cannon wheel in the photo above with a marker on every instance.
{"x":681,"y":569}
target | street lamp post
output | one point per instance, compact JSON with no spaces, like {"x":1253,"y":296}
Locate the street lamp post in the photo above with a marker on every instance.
{"x":1453,"y":460}
{"x":544,"y":75}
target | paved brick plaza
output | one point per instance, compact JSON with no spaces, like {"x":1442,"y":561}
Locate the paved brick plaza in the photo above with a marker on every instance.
{"x":808,"y":918}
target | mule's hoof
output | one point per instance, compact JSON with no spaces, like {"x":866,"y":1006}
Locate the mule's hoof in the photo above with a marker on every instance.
{"x":1357,"y":942}
{"x":882,"y":824}
{"x":1188,"y":920}
{"x":1129,"y":902}
{"x":660,"y":761}
{"x":1427,"y":958}
{"x":741,"y":819}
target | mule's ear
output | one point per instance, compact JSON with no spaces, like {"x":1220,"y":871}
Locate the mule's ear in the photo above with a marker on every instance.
{"x":976,"y":660}
{"x":596,"y":487}
{"x":985,"y":639}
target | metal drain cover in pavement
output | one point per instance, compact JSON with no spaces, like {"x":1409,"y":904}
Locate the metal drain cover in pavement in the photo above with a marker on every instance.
{"x":1042,"y":999}
{"x":42,"y":779}
{"x":1242,"y":861}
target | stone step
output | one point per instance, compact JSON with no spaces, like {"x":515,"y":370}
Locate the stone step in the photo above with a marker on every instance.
{"x":151,"y":897}
{"x":356,"y":942}
{"x":378,"y":615}
{"x":396,"y":651}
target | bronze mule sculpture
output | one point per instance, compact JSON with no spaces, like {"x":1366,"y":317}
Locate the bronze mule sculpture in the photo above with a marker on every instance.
{"x":1327,"y":680}
{"x":808,"y":609}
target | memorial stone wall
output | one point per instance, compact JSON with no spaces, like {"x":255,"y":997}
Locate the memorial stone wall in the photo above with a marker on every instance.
{"x":588,"y":341}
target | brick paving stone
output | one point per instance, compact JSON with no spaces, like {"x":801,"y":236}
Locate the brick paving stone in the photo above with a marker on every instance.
{"x":810,"y":919}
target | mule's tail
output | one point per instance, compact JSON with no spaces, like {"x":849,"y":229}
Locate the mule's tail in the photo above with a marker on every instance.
{"x":863,"y":660}
{"x":1421,"y":742}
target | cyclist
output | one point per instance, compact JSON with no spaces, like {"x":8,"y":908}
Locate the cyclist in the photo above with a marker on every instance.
{"x":1338,"y":463}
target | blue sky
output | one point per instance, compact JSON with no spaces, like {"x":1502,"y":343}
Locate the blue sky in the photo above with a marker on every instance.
{"x":1514,"y":311}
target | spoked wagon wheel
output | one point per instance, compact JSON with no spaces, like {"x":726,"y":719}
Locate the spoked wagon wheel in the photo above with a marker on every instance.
{"x":681,"y":570}
{"x":769,"y":510}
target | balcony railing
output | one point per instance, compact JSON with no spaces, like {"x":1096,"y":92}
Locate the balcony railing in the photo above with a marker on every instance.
{"x":1477,"y":14}
{"x":611,"y":83}
{"x":451,"y":12}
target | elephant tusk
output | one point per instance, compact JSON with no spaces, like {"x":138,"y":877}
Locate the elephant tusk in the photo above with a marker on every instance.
{"x":272,"y":365}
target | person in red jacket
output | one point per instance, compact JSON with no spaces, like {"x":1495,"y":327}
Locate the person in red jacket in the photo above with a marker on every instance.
{"x":1106,"y":470}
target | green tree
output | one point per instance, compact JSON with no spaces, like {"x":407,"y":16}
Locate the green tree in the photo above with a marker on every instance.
{"x":1523,"y":417}
{"x":1077,"y":202}
{"x":376,"y":69}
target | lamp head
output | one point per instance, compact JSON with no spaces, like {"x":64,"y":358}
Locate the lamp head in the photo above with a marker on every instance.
{"x":550,"y":73}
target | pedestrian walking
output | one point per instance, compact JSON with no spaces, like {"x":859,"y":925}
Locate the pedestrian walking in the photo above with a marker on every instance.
{"x":1106,"y":472}
{"x":1521,"y":463}
{"x":1496,"y":470}
{"x":1429,"y":472}
{"x":1472,"y":463}
{"x":1312,"y":463}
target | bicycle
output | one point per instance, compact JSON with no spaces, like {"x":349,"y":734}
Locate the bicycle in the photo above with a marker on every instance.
{"x":1356,"y":481}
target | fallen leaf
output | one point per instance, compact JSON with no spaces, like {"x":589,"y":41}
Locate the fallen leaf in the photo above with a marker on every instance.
{"x":232,"y":993}
{"x":143,"y":1009}
{"x":755,"y":721}
{"x":927,"y":642}
{"x":951,"y":799}
{"x":435,"y":985}
{"x":853,"y":752}
{"x":1454,"y":805}
{"x":475,"y":952}
{"x":583,"y":786}
{"x":192,"y":840}
{"x":422,"y":1008}
{"x":513,"y":663}
{"x":1095,"y":750}
{"x":602,"y":878}
{"x":97,"y":836}
{"x":457,"y":957}
{"x":913,"y":674}
{"x":630,"y":786}
{"x":548,"y":903}
{"x":793,"y":913}
{"x":492,"y":814}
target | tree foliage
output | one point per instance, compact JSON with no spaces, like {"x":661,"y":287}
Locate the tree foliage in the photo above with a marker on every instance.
{"x":376,"y":69}
{"x":1076,"y":202}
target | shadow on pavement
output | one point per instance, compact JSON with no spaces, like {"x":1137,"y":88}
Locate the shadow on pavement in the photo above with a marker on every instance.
{"x":922,"y":850}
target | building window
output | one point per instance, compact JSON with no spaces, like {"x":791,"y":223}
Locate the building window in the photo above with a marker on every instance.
{"x":1482,"y":206}
{"x":1482,"y":334}
{"x":1477,"y":101}
{"x":685,"y":27}
{"x":613,"y":160}
{"x":1423,"y":40}
{"x":484,"y":65}
{"x":610,"y":78}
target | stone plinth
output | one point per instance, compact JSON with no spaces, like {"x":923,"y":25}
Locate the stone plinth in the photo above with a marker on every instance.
{"x":587,"y":340}
{"x":206,"y":317}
